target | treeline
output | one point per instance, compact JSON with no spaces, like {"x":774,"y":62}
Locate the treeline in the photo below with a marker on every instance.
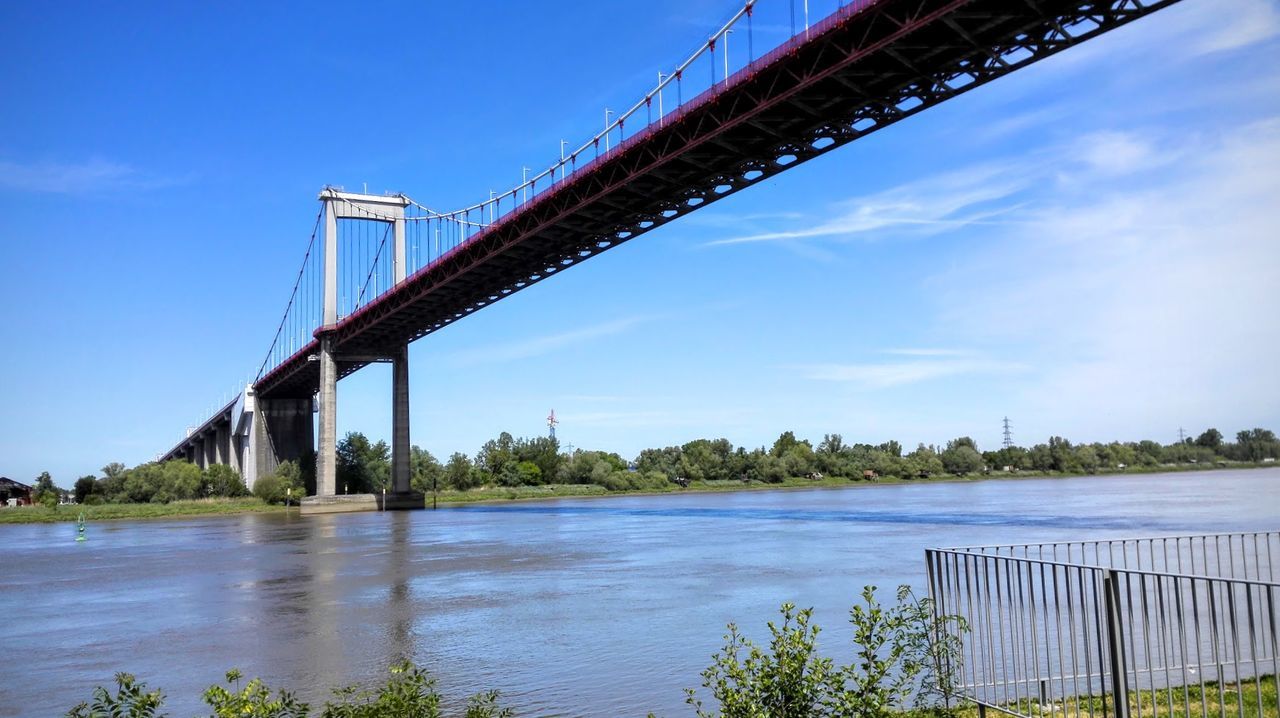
{"x":153,"y":482}
{"x":365,"y":467}
{"x":510,"y":461}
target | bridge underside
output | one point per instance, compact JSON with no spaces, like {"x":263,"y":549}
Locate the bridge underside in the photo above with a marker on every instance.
{"x":856,"y":73}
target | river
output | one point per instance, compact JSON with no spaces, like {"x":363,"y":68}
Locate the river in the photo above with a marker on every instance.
{"x":587,"y":607}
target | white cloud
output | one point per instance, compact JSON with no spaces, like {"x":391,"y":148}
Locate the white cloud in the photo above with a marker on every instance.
{"x":538,"y":346}
{"x":1234,"y":24}
{"x":1115,"y":153}
{"x":885,"y":375}
{"x":944,"y":202}
{"x":930,"y":352}
{"x":1158,"y":305}
{"x":95,"y":175}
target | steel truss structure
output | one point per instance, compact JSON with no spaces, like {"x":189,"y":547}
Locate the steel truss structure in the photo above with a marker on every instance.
{"x":863,"y":68}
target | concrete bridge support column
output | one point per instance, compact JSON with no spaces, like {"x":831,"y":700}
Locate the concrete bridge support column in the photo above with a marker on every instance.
{"x":327,"y":448}
{"x":401,"y":495}
{"x":222,"y":444}
{"x":282,"y":432}
{"x":210,"y":451}
{"x":234,"y":453}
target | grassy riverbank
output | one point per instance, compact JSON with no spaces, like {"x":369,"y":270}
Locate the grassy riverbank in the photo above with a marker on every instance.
{"x":557,"y":491}
{"x":1252,"y":698}
{"x":99,"y":512}
{"x":486,"y":494}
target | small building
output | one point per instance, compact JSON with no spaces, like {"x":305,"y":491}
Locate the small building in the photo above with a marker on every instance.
{"x":14,"y":493}
{"x":869,"y":475}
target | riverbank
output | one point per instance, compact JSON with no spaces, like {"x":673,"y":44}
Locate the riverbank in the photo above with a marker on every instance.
{"x":498,"y":494}
{"x":502,"y":494}
{"x":102,"y":512}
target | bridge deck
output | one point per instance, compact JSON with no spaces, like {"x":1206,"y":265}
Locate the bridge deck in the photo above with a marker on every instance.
{"x":863,"y":68}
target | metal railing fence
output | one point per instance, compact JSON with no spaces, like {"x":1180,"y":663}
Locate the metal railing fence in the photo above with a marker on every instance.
{"x":1175,"y":626}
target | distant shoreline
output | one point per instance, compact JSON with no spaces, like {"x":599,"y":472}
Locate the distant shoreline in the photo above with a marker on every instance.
{"x":499,"y":494}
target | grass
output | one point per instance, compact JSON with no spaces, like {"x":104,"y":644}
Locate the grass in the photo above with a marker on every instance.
{"x":1193,"y":701}
{"x":202,"y":507}
{"x":196,"y":507}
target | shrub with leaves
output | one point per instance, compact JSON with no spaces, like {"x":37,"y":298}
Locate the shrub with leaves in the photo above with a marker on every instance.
{"x":485,"y":705}
{"x":788,"y":681}
{"x":252,"y":701}
{"x":903,"y":658}
{"x":410,"y":693}
{"x":131,"y":700}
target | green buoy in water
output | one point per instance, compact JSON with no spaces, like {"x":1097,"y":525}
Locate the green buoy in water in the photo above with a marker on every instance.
{"x":80,"y":530}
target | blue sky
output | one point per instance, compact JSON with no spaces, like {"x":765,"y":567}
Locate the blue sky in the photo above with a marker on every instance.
{"x":1088,"y":246}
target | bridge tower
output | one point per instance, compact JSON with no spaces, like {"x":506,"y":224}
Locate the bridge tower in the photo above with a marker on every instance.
{"x":374,"y":208}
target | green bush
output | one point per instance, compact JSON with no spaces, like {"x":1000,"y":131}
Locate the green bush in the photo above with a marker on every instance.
{"x":252,"y":701}
{"x":131,"y":700}
{"x":274,"y":488}
{"x":903,"y":654}
{"x":222,"y":480}
{"x":409,"y":693}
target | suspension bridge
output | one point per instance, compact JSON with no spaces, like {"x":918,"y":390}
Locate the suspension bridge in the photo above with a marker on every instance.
{"x":382,"y":271}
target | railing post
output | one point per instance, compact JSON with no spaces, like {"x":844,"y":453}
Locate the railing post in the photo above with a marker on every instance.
{"x":1115,"y":644}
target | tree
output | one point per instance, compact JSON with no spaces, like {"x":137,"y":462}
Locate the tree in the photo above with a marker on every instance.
{"x":363,"y":467}
{"x":161,"y":482}
{"x":705,"y":460}
{"x":111,"y":486}
{"x":459,"y":473}
{"x":425,"y":473}
{"x":45,"y":486}
{"x":665,"y":460}
{"x":1210,"y":439}
{"x":1256,"y":445}
{"x":786,"y":441}
{"x":831,"y":444}
{"x":283,"y":484}
{"x":961,"y":458}
{"x":530,"y":474}
{"x":798,"y":460}
{"x":923,"y":461}
{"x":222,"y":480}
{"x":1086,"y":458}
{"x":1061,"y":454}
{"x":1148,"y":453}
{"x":85,"y":486}
{"x":495,"y":455}
{"x":543,"y":452}
{"x":892,"y":448}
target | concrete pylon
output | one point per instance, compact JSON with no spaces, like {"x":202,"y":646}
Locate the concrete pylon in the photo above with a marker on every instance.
{"x":327,"y":447}
{"x":402,"y":495}
{"x":374,"y":208}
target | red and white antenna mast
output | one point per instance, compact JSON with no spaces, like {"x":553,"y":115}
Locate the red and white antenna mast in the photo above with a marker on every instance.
{"x":551,"y":423}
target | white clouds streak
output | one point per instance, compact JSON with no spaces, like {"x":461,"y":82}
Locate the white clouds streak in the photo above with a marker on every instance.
{"x":947,"y":201}
{"x":1156,"y":303}
{"x":887,"y":375}
{"x":93,"y":175}
{"x":538,"y":346}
